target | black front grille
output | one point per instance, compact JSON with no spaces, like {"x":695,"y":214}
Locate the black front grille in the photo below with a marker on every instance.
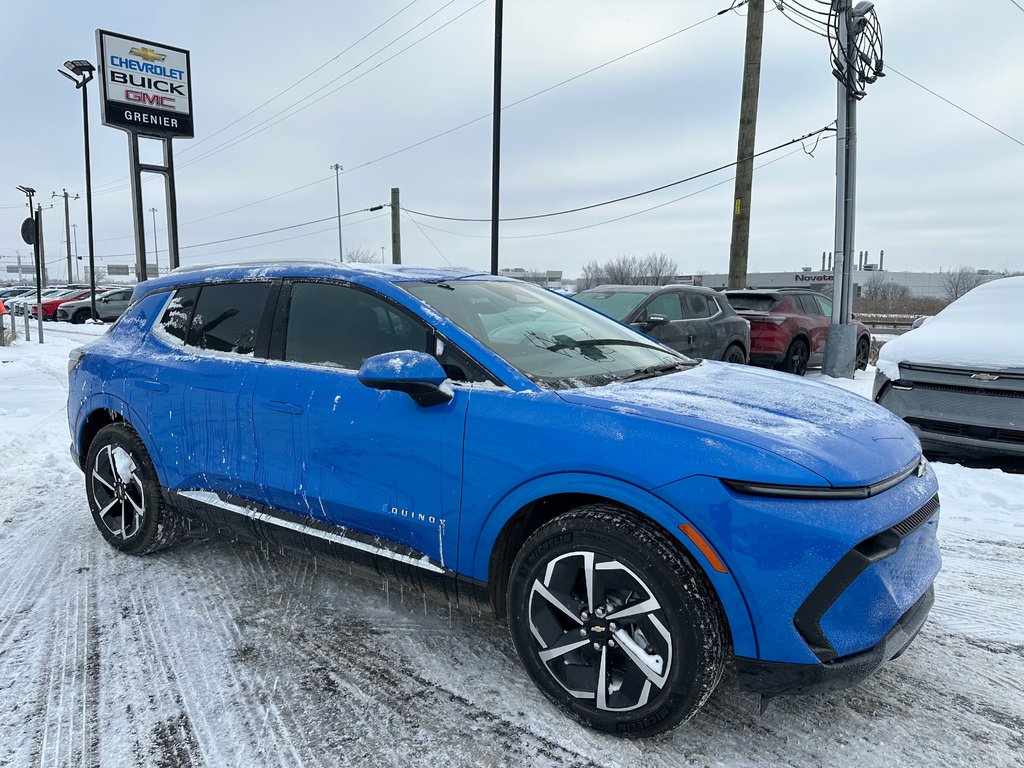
{"x":906,"y":527}
{"x":974,"y":432}
{"x":963,"y":390}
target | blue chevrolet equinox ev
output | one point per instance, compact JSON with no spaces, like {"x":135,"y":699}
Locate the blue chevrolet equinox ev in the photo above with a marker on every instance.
{"x":642,"y":519}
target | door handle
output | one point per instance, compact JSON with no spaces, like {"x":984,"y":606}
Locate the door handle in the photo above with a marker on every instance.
{"x":281,"y":407}
{"x":152,"y":386}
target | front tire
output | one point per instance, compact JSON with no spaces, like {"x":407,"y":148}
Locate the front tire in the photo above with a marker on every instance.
{"x":81,"y":316}
{"x":124,"y":494}
{"x":613,"y":623}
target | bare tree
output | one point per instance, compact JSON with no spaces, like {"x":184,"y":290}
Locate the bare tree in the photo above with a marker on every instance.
{"x":959,"y":281}
{"x":593,"y":276}
{"x":885,"y":295}
{"x":362,"y":256}
{"x":656,"y":269}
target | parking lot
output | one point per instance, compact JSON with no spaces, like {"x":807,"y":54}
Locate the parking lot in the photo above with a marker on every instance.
{"x":222,"y":653}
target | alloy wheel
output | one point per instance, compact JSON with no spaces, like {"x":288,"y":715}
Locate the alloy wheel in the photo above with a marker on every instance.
{"x":118,"y":491}
{"x":600,"y":631}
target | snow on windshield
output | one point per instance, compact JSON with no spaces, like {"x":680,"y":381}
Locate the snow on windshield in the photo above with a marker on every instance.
{"x":981,"y":329}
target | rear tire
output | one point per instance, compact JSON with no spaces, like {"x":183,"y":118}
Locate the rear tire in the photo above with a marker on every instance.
{"x":734,"y":354}
{"x":124,"y":494}
{"x":642,"y":630}
{"x":863,"y":353}
{"x":796,"y":358}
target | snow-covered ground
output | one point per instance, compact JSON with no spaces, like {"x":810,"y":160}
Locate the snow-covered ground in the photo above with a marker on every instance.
{"x":218,"y":653}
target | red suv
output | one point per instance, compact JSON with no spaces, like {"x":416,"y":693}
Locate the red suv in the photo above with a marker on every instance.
{"x":789,"y":327}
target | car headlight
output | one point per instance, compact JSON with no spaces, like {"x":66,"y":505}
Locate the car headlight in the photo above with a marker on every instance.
{"x":919,"y":467}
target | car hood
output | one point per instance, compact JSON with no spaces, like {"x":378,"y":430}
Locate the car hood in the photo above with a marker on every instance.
{"x":841,"y":436}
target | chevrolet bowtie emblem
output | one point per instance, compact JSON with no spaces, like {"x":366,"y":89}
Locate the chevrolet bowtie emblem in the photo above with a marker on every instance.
{"x":984,"y":377}
{"x":597,"y":629}
{"x":147,"y":53}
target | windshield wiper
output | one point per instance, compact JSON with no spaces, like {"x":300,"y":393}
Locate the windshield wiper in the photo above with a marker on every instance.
{"x":658,"y":370}
{"x":564,"y":342}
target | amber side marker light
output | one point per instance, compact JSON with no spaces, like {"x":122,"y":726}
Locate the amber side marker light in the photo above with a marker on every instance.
{"x":703,"y":546}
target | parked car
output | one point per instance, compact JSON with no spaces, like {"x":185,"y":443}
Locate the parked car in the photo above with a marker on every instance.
{"x":21,"y":304}
{"x":636,"y":514}
{"x":109,"y":306}
{"x":789,"y":328}
{"x":958,"y":378}
{"x":50,"y":305}
{"x":7,"y":294}
{"x":689,"y":319}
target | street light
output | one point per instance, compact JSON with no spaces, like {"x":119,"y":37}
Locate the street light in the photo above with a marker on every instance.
{"x":81,"y":73}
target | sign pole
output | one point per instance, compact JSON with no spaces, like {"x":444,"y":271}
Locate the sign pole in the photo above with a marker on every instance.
{"x":138,"y":210}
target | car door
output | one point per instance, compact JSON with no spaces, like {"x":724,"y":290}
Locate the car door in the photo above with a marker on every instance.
{"x":194,"y":385}
{"x":698,"y":314}
{"x":678,"y":333}
{"x":343,"y":454}
{"x":817,"y":325}
{"x":111,"y":306}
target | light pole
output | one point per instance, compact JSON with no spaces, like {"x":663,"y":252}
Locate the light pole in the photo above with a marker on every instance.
{"x":81,"y":73}
{"x":337,"y":189}
{"x":156,"y":247}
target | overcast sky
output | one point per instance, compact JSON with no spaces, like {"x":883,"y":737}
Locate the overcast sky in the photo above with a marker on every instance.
{"x":936,"y":188}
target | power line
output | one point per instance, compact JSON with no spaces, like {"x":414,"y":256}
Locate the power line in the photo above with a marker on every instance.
{"x":617,"y":218}
{"x":967,"y":112}
{"x":281,"y":93}
{"x":432,"y":243}
{"x":257,"y":234}
{"x":1019,"y":6}
{"x":267,"y":123}
{"x":709,"y":172}
{"x":465,"y":124}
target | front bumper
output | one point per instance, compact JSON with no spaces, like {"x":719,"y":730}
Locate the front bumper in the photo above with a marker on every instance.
{"x":777,"y":678}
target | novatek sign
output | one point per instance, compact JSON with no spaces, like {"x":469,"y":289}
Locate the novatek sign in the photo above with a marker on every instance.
{"x":146,"y":87}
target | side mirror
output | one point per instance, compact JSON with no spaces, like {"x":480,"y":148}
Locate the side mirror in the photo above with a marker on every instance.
{"x":652,"y":321}
{"x":920,"y":321}
{"x":417,"y":374}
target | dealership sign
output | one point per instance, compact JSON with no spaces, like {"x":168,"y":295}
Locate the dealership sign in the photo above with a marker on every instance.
{"x":146,"y":87}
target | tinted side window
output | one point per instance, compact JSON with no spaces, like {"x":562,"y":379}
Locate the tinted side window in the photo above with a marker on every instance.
{"x":695,"y":307}
{"x":825,"y":304}
{"x":667,"y":304}
{"x":330,"y":324}
{"x":227,"y":317}
{"x":806,"y":304}
{"x":179,"y":312}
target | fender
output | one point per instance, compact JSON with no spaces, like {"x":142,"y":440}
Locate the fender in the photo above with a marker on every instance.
{"x":108,"y":402}
{"x":656,"y":510}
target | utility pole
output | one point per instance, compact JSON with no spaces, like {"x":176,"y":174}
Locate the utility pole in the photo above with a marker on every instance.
{"x":739,"y":249}
{"x":67,"y":226}
{"x":496,"y":135}
{"x":77,"y":257}
{"x":396,"y":226}
{"x":337,"y":190}
{"x":156,"y":246}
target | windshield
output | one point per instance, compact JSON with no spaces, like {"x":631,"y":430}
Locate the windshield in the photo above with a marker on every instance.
{"x":751,"y":302}
{"x":615,"y":304}
{"x":552,"y":340}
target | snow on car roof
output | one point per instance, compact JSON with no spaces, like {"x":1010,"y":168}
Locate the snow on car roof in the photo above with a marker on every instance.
{"x":979,"y":330}
{"x":362,"y":273}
